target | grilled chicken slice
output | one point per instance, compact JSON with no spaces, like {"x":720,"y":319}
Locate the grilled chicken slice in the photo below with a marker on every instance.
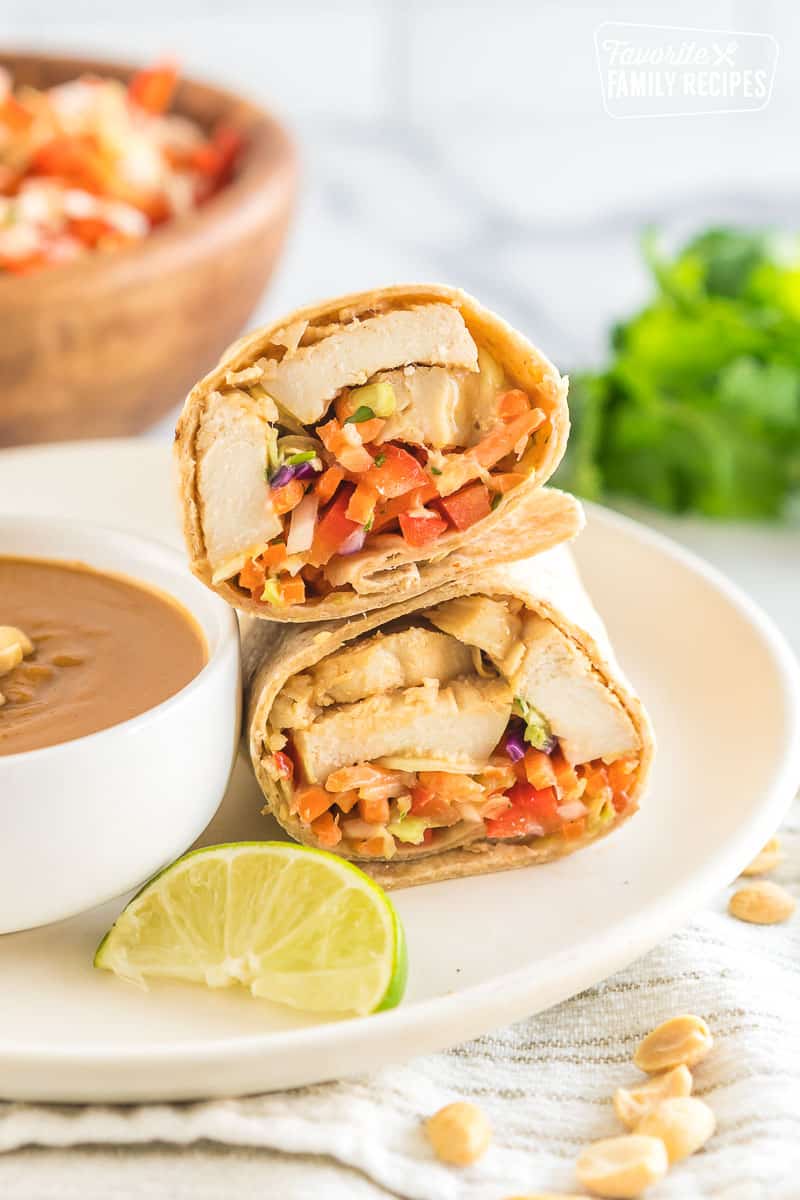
{"x":479,"y":621}
{"x":465,"y":719}
{"x":431,"y":407}
{"x":386,"y":662}
{"x":238,"y":517}
{"x":558,"y":680}
{"x":305,"y":382}
{"x":294,"y":706}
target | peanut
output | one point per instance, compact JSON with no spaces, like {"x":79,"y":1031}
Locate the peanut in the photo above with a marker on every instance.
{"x":762,"y":903}
{"x":681,"y":1040}
{"x":14,"y":646}
{"x":767,"y":858}
{"x":459,"y":1133}
{"x":631,"y":1104}
{"x":683,"y":1124}
{"x":622,"y":1167}
{"x":10,"y":657}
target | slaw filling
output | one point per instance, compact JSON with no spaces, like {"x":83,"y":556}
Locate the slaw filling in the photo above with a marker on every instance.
{"x":402,"y":460}
{"x":412,"y":739}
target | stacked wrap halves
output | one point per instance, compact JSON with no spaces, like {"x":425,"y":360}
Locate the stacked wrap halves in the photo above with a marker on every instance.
{"x":431,"y":692}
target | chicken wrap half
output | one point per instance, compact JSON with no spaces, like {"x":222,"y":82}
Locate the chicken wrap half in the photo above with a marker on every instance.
{"x":340,"y":457}
{"x":483,"y":726}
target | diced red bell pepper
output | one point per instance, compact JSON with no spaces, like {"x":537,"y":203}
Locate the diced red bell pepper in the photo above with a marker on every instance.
{"x":283,"y":765}
{"x":418,"y":530}
{"x":467,"y":506}
{"x":531,"y":808}
{"x":333,"y":528}
{"x":395,"y":472}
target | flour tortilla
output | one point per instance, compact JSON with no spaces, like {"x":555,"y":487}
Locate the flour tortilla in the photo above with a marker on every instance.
{"x":515,"y":528}
{"x":548,"y":585}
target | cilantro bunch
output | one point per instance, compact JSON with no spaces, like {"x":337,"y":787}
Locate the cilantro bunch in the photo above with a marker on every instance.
{"x":699,"y":408}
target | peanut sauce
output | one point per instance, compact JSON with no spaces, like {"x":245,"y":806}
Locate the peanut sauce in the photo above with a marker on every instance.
{"x":105,"y":648}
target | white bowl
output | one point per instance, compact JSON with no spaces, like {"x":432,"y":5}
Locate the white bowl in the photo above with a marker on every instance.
{"x":87,"y":820}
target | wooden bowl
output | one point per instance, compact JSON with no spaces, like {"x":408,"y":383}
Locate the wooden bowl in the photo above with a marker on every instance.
{"x":109,"y":343}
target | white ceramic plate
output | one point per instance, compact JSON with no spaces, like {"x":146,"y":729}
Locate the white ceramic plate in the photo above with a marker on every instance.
{"x":722,"y":689}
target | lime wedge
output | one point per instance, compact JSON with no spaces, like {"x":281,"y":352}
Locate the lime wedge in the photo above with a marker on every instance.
{"x":297,"y":926}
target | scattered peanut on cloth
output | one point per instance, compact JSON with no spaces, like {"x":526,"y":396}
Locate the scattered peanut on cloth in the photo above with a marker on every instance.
{"x":762,"y":903}
{"x":667,"y":1122}
{"x":683,"y":1123}
{"x":632,"y":1104}
{"x":460,"y":1133}
{"x":622,"y":1167}
{"x":680,"y":1041}
{"x":766,"y":860}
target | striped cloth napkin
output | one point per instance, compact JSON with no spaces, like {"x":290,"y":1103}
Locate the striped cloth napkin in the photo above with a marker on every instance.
{"x":545,"y":1083}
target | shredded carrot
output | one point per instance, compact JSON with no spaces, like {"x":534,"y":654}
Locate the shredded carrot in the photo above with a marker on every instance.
{"x":388,"y":511}
{"x":328,"y":482}
{"x":15,"y":115}
{"x":310,"y":802}
{"x":293,"y":591}
{"x":152,"y":88}
{"x":361,"y":775}
{"x":326,"y":831}
{"x":351,"y":454}
{"x":539,"y":769}
{"x":285,"y":498}
{"x":568,"y":782}
{"x":501,"y":440}
{"x":374,"y":812}
{"x":252,"y":576}
{"x":452,"y":787}
{"x":574,"y":829}
{"x":346,"y":800}
{"x":362,"y":503}
{"x":505,"y":482}
{"x":620,"y":772}
{"x":372,"y":847}
{"x":512,"y":404}
{"x":369,"y":430}
{"x":274,"y":555}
